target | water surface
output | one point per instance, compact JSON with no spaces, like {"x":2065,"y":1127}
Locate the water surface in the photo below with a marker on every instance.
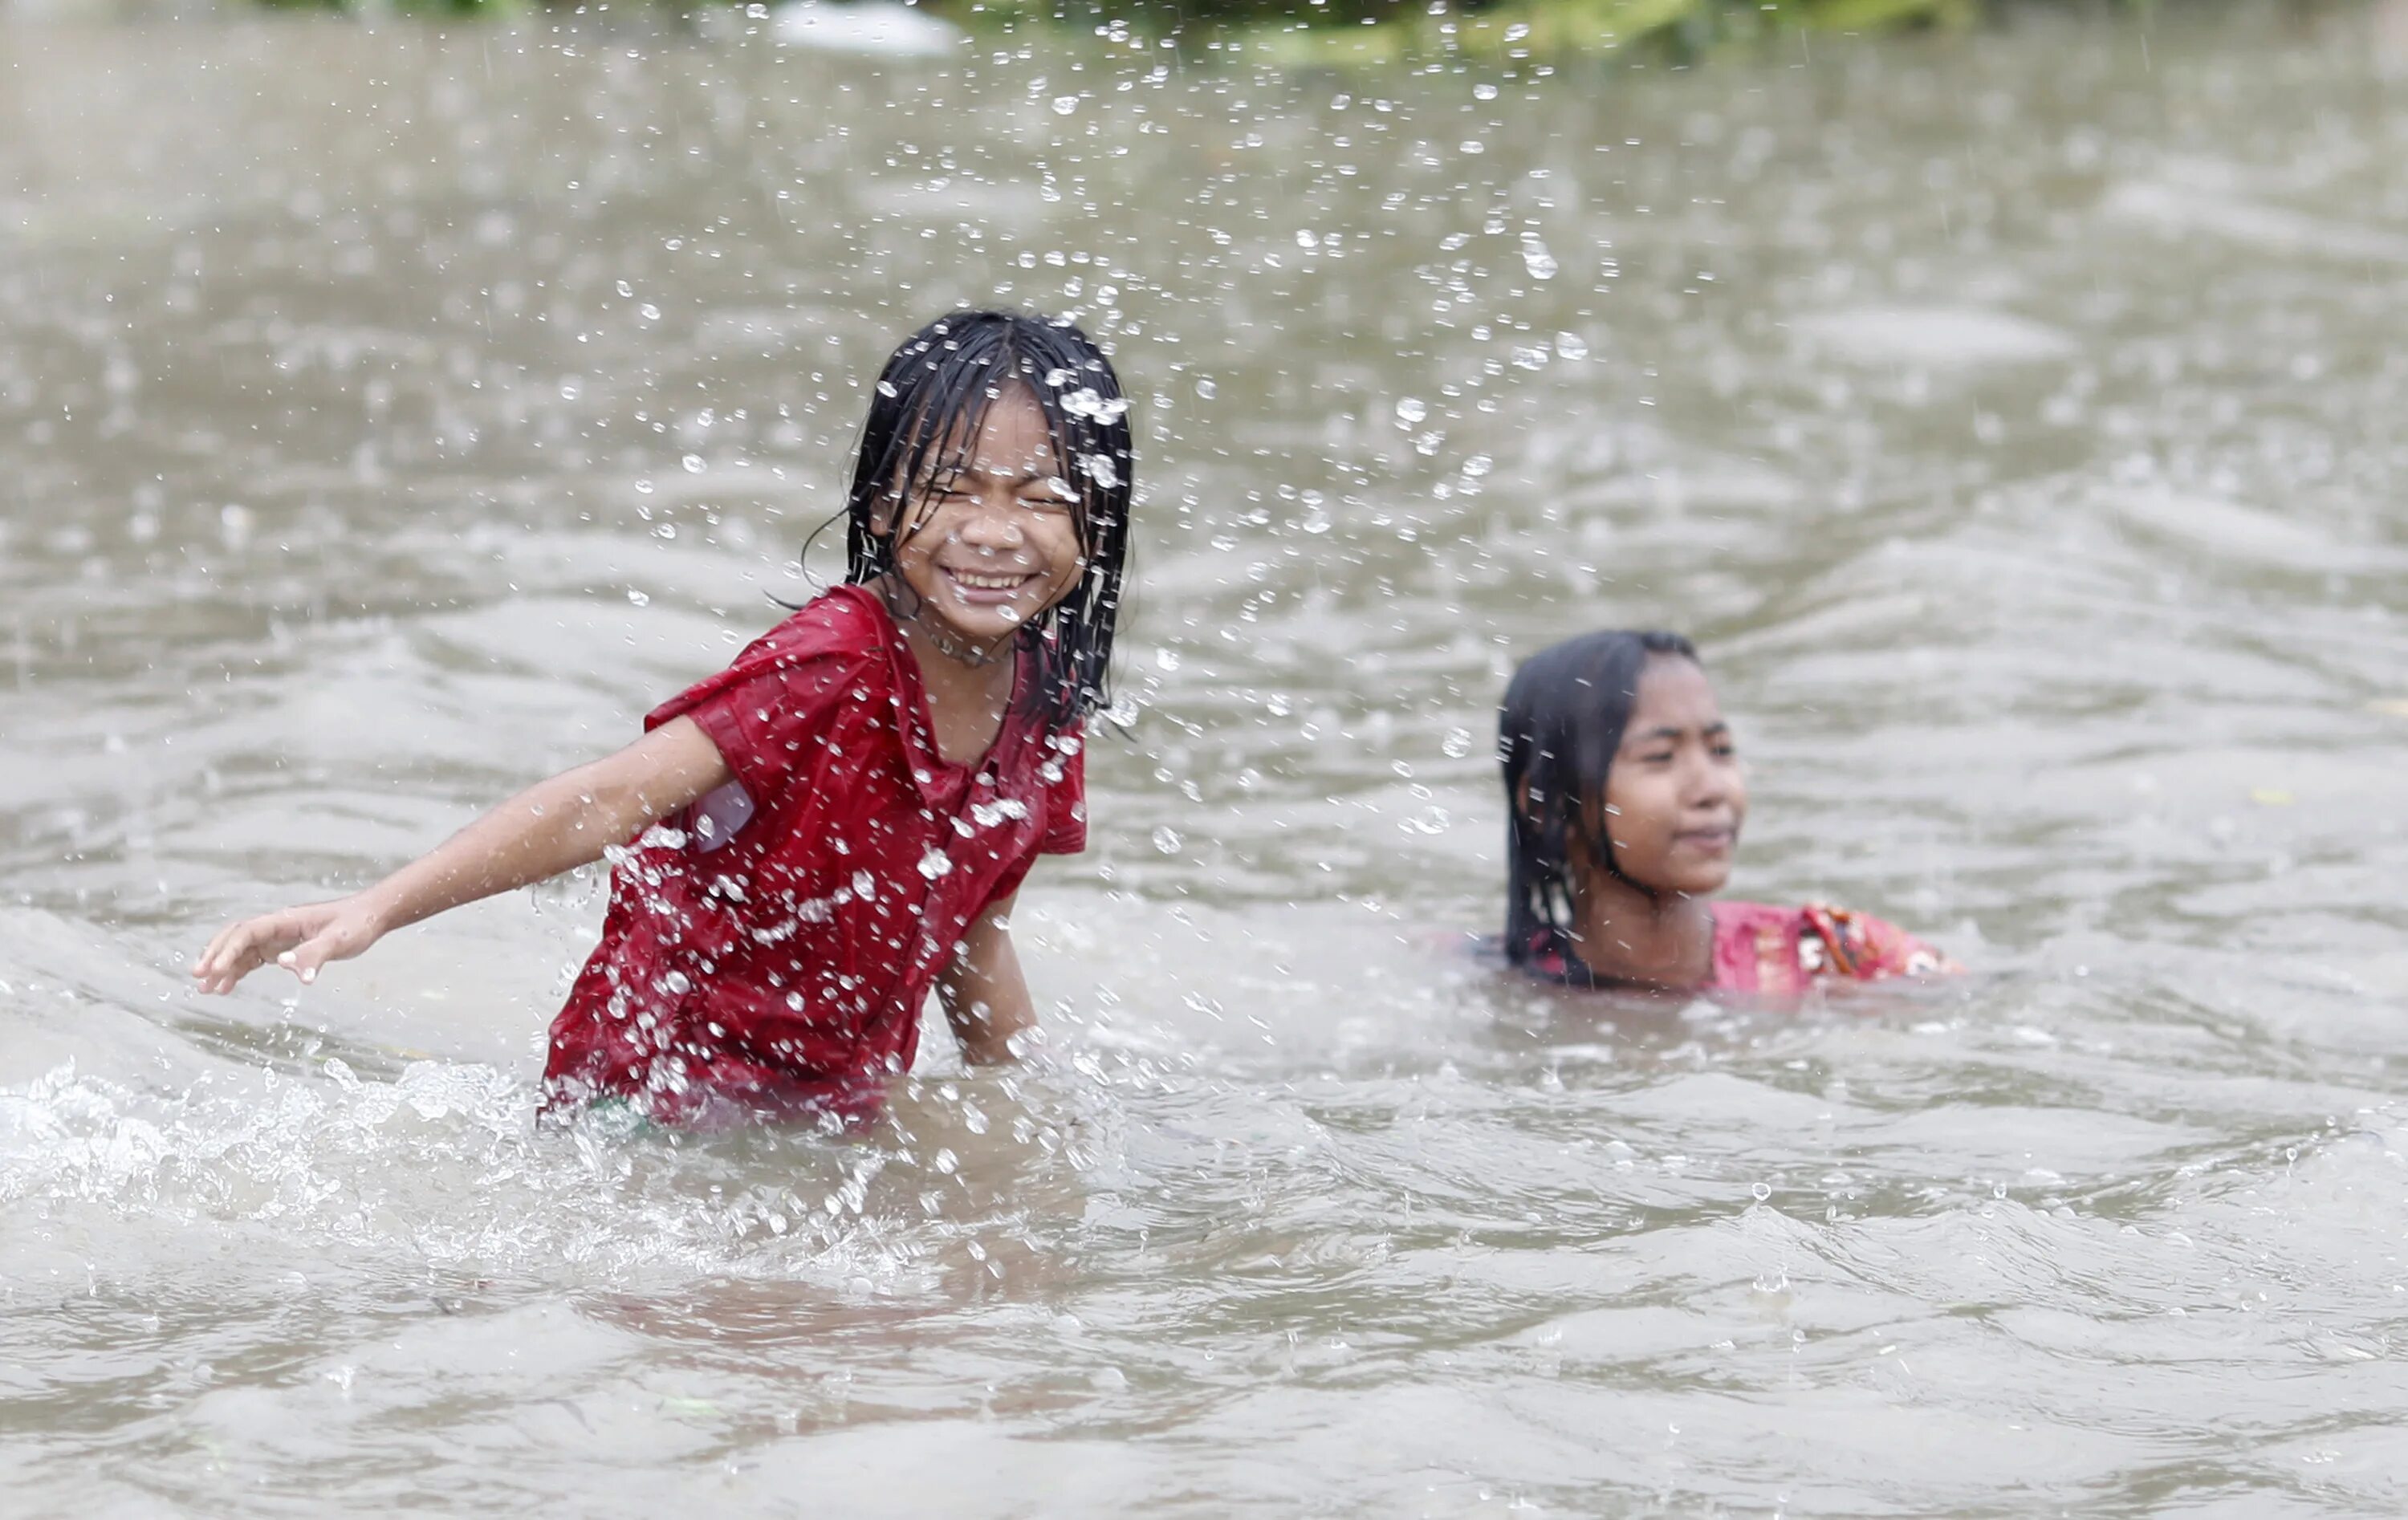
{"x":389,"y":418}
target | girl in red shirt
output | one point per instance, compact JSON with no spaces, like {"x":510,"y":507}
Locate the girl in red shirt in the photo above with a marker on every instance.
{"x":1624,"y":801}
{"x":808,"y":843}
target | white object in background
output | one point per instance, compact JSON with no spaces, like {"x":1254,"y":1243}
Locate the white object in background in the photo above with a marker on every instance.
{"x":872,"y":26}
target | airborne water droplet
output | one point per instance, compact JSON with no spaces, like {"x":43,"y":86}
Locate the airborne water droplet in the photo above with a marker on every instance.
{"x":1167,"y":841}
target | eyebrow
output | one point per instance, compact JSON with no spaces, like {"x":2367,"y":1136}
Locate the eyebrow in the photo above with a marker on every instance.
{"x":1718,"y":726}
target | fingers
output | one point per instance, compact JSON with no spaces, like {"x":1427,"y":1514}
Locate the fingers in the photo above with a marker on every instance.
{"x":304,"y":959}
{"x":240,"y":948}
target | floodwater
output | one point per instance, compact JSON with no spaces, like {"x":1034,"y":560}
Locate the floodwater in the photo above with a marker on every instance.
{"x":389,"y":418}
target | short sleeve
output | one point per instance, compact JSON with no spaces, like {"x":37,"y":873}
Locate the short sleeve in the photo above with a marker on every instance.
{"x":1065,"y":797}
{"x":1897,"y":953}
{"x":767,"y":727}
{"x":1861,"y":947}
{"x":771,"y":712}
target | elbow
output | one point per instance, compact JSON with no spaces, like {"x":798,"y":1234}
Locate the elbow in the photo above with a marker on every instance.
{"x":595,"y":805}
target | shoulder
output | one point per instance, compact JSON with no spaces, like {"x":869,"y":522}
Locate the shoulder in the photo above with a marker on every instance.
{"x":1547,"y":954}
{"x":1785,"y":947}
{"x":1863,"y":948}
{"x":834,"y":645}
{"x":845,"y":622}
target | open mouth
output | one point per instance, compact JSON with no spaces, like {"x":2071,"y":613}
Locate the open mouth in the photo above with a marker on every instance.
{"x":981,"y":586}
{"x":988,"y":582}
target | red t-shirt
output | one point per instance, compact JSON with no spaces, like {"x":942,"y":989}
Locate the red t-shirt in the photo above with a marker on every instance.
{"x":772,"y":946}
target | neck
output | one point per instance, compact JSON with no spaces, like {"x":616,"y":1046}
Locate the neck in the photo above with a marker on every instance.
{"x":933,"y":644}
{"x":1624,"y":934}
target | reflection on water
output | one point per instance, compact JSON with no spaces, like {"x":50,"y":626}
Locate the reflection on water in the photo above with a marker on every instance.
{"x":388,"y":418}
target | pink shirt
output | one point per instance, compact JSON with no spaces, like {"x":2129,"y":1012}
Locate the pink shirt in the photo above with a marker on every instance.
{"x":1760,"y":948}
{"x":1763,"y":949}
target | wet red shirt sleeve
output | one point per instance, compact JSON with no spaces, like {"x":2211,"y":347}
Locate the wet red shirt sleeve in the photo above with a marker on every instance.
{"x":765,"y":726}
{"x":769,"y":712}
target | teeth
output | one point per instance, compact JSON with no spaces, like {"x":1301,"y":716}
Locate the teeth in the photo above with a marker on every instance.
{"x":988,"y":582}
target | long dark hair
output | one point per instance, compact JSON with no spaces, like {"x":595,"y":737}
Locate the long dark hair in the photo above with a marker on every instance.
{"x":925,"y":417}
{"x":1562,"y":721}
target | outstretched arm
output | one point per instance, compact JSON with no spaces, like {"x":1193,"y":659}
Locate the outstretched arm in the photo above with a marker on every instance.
{"x":984,"y":996}
{"x":552,"y":826}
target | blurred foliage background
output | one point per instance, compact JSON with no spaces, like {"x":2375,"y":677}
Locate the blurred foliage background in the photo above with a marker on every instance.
{"x":1343,"y":31}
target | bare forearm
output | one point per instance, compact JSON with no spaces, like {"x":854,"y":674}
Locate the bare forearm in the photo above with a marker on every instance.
{"x":552,"y":826}
{"x":985,"y":996}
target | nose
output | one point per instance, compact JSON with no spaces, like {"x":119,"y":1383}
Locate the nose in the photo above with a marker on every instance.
{"x":1705,"y":782}
{"x":992,"y":524}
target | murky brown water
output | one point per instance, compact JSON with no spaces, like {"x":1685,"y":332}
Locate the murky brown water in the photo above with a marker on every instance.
{"x":388,"y":419}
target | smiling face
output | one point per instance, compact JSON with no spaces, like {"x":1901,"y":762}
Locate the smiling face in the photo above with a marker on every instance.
{"x":1674,"y":798}
{"x":987,"y":549}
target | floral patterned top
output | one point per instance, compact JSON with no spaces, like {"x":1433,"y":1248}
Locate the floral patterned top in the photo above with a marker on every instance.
{"x":1761,"y":948}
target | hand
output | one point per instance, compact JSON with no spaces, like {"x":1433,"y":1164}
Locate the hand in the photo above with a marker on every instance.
{"x":300,"y":939}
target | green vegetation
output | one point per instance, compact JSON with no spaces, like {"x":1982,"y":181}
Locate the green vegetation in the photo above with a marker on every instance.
{"x":1340,"y":32}
{"x":1368,"y":31}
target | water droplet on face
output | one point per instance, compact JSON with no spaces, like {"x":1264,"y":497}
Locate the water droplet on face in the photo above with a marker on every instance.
{"x":1167,"y":841}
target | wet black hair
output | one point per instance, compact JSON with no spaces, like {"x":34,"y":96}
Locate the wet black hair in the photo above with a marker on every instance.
{"x":1562,"y":720}
{"x":924,"y":415}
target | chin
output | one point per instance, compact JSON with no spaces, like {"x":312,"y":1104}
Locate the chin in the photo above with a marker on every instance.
{"x":982,"y":625}
{"x":1698,"y":883}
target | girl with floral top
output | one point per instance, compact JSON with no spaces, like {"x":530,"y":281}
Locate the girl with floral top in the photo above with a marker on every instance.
{"x":1624,"y":800}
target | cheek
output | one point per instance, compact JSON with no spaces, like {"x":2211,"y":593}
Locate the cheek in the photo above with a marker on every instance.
{"x":1641,"y":822}
{"x":1060,"y":540}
